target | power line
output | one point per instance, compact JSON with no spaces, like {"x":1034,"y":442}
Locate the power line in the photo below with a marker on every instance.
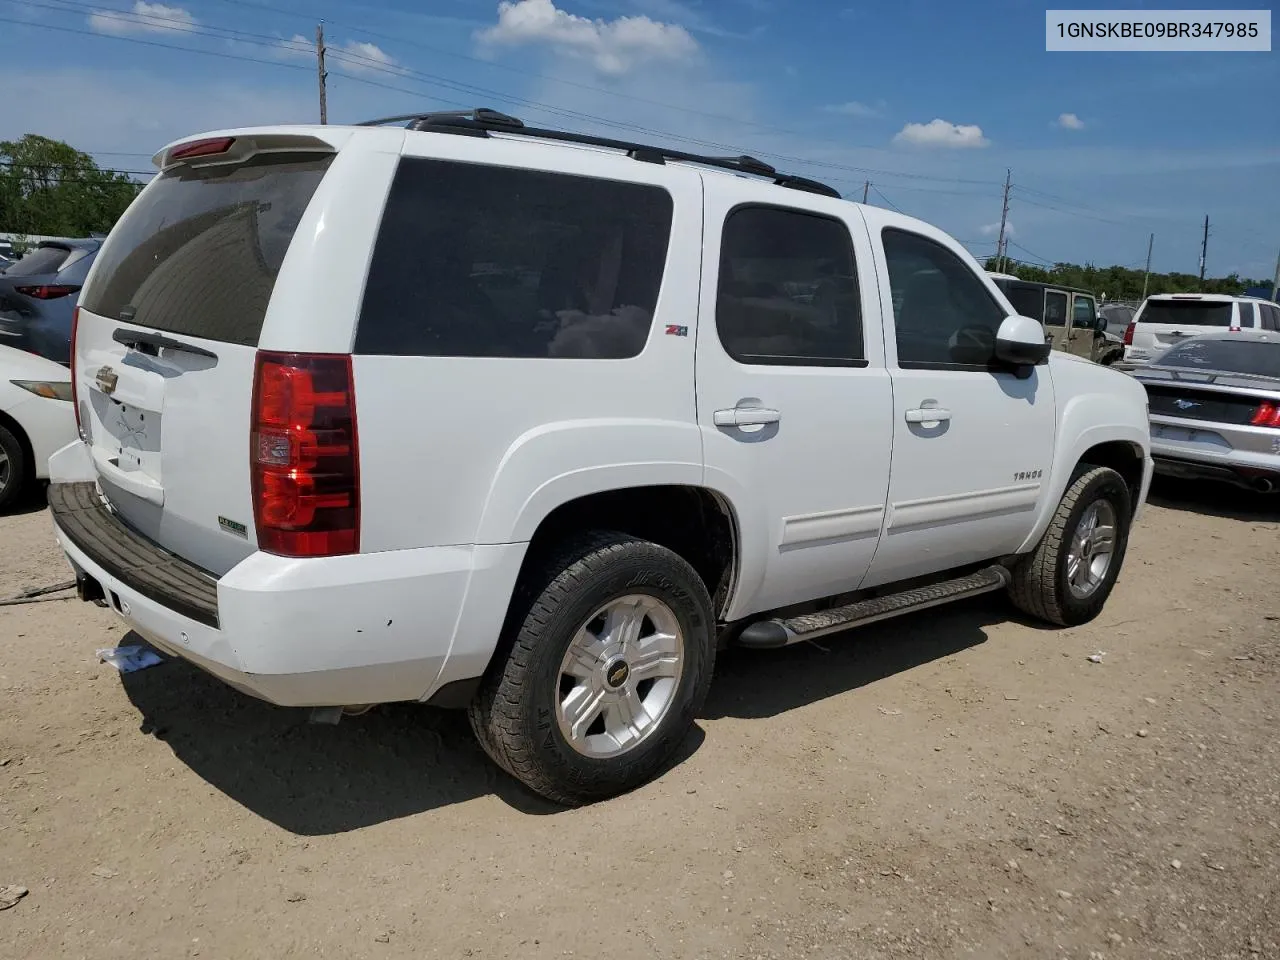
{"x":1031,"y":253}
{"x":887,"y":200}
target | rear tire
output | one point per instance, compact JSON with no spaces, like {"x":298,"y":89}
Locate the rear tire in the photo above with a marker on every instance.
{"x":609,"y":657}
{"x":13,"y":469}
{"x":1067,"y":578}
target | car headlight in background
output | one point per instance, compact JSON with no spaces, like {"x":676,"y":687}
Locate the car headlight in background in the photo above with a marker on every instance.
{"x":47,"y":389}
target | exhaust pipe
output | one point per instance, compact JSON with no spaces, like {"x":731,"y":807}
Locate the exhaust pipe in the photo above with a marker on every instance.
{"x":1264,"y":485}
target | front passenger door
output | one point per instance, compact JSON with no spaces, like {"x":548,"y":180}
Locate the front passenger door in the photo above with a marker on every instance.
{"x":972,"y":443}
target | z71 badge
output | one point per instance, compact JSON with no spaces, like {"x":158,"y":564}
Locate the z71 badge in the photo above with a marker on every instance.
{"x":1028,"y":475}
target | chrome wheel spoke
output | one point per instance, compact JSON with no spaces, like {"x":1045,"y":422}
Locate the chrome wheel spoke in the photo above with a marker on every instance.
{"x":1104,"y":539}
{"x":580,"y":709}
{"x":624,"y":621}
{"x":585,"y":656}
{"x":625,"y":718}
{"x":659,"y":656}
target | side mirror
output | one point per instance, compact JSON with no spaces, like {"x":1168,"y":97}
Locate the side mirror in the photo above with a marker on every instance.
{"x":1021,"y":342}
{"x":1102,"y":323}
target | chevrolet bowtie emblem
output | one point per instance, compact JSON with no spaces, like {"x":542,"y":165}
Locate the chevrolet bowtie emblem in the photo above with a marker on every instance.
{"x":107,"y":380}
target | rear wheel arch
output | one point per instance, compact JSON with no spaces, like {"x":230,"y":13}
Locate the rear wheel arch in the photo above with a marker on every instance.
{"x":698,"y":524}
{"x":694,"y":522}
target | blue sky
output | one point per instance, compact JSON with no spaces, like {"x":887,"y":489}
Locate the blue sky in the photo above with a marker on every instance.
{"x":930,"y":100}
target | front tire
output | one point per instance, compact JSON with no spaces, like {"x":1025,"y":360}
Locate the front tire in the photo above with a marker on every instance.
{"x":610,"y":658}
{"x":1067,"y":579}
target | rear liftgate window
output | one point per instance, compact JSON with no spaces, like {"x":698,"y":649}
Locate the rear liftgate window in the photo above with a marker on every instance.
{"x":199,"y":251}
{"x":483,"y":261}
{"x":1189,"y":313}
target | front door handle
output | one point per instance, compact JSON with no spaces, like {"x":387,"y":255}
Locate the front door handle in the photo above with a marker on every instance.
{"x":745,"y":417}
{"x":928,"y":415}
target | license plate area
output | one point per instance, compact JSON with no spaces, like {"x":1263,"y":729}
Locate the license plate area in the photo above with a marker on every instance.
{"x":1189,"y":435}
{"x":128,"y":422}
{"x":134,"y":439}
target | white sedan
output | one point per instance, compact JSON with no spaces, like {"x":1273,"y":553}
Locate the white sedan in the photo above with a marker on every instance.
{"x":36,"y":419}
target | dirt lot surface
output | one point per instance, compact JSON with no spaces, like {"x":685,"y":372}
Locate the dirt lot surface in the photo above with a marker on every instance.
{"x":954,"y":783}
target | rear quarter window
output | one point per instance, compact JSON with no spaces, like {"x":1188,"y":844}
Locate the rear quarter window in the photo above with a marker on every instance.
{"x":483,"y":261}
{"x":198,"y":252}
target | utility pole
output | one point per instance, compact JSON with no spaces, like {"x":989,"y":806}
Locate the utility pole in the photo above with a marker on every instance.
{"x":320,"y":71}
{"x":1275,"y":284}
{"x":1004,"y":219}
{"x":1150,"y":243}
{"x":1204,"y":248}
{"x":866,"y":186}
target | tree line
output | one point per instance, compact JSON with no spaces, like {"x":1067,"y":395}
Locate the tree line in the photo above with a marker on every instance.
{"x":1121,"y":283}
{"x":48,"y":187}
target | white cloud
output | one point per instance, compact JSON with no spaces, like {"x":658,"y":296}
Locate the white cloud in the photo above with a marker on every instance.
{"x":993,"y":229}
{"x":856,"y":108}
{"x":611,"y":46}
{"x":144,"y":18}
{"x":351,"y":56}
{"x":1069,"y":121}
{"x":941,"y":133}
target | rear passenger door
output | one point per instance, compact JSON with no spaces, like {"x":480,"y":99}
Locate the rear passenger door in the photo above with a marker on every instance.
{"x":794,"y":401}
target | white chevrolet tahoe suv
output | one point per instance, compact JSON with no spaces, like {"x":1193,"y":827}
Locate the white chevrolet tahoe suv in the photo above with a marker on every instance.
{"x":532,"y":423}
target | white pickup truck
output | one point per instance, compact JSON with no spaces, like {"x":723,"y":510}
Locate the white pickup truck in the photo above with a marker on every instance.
{"x":466,"y":412}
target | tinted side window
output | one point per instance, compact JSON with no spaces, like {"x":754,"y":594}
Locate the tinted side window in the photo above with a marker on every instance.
{"x":1274,"y":313}
{"x":1083,"y":312}
{"x":1028,"y":301}
{"x":788,"y":290}
{"x":944,"y":315}
{"x":1248,"y":316}
{"x":1055,"y":308}
{"x":481,"y":261}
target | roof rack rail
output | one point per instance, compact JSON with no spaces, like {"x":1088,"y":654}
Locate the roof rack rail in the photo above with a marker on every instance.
{"x":481,"y":121}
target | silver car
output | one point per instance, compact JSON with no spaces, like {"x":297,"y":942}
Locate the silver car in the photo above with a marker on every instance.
{"x":1214,"y":402}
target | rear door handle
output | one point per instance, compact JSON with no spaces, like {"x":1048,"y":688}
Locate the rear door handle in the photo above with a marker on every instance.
{"x":745,"y":417}
{"x":928,"y":415}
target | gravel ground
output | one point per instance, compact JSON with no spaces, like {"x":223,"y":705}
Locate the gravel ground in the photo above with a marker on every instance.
{"x":958,"y":782}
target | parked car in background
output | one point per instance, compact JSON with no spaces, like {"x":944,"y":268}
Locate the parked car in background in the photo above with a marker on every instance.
{"x":38,"y":295}
{"x":1167,"y":319}
{"x":1069,"y":316}
{"x":1214,"y":404}
{"x":1114,"y":319}
{"x":36,"y":418}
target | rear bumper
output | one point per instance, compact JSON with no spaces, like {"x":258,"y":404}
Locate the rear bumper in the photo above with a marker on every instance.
{"x":365,"y":628}
{"x":1254,"y":478}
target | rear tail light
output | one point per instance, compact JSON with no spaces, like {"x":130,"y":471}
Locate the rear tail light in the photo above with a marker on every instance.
{"x":304,"y":456}
{"x":1267,"y":415}
{"x":75,"y":399}
{"x":1128,"y":333}
{"x":47,"y":291}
